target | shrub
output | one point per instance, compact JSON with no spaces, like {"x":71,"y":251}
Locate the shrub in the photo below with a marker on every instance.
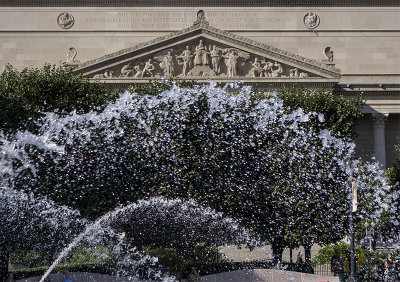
{"x":369,"y":263}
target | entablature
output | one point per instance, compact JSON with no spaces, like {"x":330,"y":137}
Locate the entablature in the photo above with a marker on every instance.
{"x":199,"y":3}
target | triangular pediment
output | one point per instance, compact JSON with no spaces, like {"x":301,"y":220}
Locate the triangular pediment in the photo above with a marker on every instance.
{"x":202,"y":52}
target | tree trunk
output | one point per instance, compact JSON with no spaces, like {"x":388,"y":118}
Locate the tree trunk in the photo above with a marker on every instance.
{"x":277,"y":251}
{"x":307,"y":259}
{"x":4,"y":259}
{"x":307,"y":253}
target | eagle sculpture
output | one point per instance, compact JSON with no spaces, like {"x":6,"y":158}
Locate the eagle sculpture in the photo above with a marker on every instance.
{"x":328,"y":53}
{"x":71,"y":54}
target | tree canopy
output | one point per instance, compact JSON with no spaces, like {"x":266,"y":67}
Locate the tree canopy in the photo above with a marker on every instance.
{"x":341,"y":114}
{"x":27,"y":94}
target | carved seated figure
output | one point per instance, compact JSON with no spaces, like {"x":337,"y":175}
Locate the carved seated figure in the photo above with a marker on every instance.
{"x":267,"y":70}
{"x":256,"y":69}
{"x":202,"y":56}
{"x":278,"y":70}
{"x":294,"y":72}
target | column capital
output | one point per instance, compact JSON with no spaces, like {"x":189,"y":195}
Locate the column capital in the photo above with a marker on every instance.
{"x":379,"y":120}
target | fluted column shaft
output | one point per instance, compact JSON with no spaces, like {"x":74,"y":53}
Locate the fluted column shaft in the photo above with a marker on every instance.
{"x":379,"y":137}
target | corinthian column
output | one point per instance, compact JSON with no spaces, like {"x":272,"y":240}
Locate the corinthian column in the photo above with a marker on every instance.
{"x":379,"y":137}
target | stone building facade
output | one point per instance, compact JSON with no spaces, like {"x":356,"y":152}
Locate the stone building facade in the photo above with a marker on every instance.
{"x":351,"y":46}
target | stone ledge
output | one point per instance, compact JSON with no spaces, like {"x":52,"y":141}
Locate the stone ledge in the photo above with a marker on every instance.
{"x":198,"y":3}
{"x":260,"y":83}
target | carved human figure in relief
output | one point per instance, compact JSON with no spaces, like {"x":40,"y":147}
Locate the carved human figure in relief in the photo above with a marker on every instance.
{"x":108,"y":74}
{"x":278,"y":70}
{"x":294,"y":72}
{"x":127,"y":70}
{"x":267,"y":69}
{"x":186,"y":57}
{"x":138,"y":71}
{"x":216,"y":59}
{"x":168,"y":64}
{"x":148,"y":69}
{"x":232,"y":63}
{"x":202,"y":56}
{"x":271,"y":70}
{"x":256,"y":68}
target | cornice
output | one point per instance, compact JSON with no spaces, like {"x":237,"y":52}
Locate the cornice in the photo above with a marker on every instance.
{"x":366,"y":93}
{"x":263,"y":84}
{"x":198,"y":3}
{"x":367,"y":89}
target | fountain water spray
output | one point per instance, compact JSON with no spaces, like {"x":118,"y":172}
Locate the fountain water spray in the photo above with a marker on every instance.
{"x":231,"y":151}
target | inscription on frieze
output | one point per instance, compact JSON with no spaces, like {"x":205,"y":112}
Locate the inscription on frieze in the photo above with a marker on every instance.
{"x":181,"y":19}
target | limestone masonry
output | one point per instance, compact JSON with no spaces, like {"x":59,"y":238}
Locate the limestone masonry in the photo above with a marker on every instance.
{"x":351,"y":46}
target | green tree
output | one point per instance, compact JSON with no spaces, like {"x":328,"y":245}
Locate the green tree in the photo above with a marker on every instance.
{"x":340,"y":113}
{"x":26,"y":94}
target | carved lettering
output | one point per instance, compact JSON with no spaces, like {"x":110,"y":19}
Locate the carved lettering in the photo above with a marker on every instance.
{"x":180,"y":20}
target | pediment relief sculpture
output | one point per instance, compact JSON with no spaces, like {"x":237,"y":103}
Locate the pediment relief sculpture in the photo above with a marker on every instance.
{"x":203,"y":59}
{"x":201,"y":52}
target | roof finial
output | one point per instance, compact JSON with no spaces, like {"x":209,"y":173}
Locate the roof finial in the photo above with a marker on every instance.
{"x":201,"y":18}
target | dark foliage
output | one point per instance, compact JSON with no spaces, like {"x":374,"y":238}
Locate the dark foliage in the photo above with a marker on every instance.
{"x":26,"y":94}
{"x":341,"y":114}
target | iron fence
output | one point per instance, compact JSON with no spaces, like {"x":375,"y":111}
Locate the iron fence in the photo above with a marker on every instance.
{"x":323,"y":269}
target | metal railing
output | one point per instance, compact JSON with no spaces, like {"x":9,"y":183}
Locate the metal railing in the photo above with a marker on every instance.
{"x":323,"y":269}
